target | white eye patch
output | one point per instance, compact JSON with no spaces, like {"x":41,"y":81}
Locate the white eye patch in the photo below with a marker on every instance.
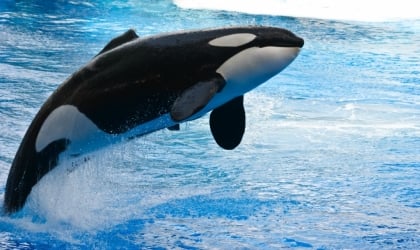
{"x":234,"y":40}
{"x":65,"y":122}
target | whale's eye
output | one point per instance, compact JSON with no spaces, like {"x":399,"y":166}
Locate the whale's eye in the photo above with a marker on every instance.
{"x":234,"y":40}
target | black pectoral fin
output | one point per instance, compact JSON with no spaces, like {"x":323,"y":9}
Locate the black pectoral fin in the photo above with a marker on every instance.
{"x":195,"y":98}
{"x":119,"y":40}
{"x":174,"y":127}
{"x":227,"y":123}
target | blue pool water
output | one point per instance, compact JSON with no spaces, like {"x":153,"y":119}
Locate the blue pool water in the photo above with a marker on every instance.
{"x":330,"y":158}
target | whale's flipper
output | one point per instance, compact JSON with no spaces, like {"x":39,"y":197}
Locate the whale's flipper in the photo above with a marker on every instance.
{"x":227,"y":123}
{"x":128,"y":36}
{"x":195,"y":98}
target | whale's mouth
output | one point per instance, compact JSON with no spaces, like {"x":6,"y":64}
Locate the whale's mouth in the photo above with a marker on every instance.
{"x":286,"y":39}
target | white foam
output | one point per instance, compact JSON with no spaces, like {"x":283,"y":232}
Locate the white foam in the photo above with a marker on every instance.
{"x":85,"y":196}
{"x":356,"y":10}
{"x":103,"y":191}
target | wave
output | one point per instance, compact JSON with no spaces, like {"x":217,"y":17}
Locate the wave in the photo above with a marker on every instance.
{"x":354,"y":10}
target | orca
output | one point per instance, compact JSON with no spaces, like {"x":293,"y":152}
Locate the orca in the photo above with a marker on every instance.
{"x":136,"y":86}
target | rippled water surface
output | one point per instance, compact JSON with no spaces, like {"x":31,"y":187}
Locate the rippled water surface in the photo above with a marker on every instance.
{"x":330,"y":158}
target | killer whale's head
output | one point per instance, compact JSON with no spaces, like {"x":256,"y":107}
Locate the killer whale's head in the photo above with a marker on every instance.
{"x":265,"y":52}
{"x":244,"y":56}
{"x":259,"y":54}
{"x":237,"y":59}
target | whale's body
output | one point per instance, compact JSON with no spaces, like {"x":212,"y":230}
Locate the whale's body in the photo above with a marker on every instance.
{"x":137,"y":86}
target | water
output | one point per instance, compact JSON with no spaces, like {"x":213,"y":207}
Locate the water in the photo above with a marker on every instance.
{"x":360,"y":10}
{"x":330,"y":157}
